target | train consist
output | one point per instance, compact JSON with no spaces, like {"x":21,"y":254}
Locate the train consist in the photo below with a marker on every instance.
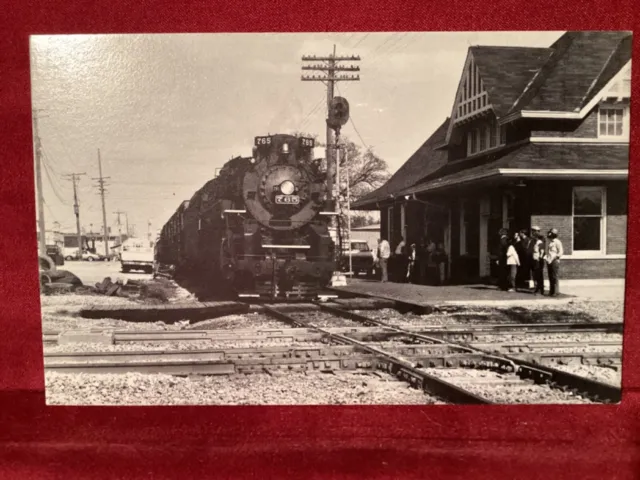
{"x":260,"y":228}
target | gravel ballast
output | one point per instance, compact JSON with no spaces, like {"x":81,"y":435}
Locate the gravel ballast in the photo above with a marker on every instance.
{"x":572,"y":312}
{"x":256,"y":389}
{"x":238,"y":322}
{"x":520,"y":393}
{"x":326,"y":320}
{"x":594,"y":372}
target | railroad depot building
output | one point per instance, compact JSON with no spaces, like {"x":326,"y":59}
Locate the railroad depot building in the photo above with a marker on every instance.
{"x":536,"y":136}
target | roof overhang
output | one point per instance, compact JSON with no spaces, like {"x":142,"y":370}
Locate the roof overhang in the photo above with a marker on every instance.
{"x":523,"y":173}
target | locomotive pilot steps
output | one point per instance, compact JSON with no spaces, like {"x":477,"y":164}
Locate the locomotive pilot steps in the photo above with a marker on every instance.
{"x":260,"y":228}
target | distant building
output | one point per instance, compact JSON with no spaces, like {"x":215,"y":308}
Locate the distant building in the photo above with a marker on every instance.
{"x":94,"y":242}
{"x":536,"y":136}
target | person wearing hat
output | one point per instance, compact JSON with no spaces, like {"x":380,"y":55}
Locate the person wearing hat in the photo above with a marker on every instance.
{"x":552,"y":258}
{"x":537,"y":260}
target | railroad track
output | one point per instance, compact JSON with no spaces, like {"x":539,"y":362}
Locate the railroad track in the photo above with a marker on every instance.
{"x":435,"y":359}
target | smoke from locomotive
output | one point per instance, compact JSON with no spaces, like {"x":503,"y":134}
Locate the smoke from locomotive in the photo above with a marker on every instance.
{"x":258,"y":227}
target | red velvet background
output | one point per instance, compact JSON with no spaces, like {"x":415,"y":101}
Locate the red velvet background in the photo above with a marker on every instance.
{"x":599,"y":442}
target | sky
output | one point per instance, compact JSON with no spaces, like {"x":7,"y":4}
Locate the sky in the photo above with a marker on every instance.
{"x":166,"y":111}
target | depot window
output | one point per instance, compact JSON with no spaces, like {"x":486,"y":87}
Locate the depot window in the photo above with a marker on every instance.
{"x":589,"y":205}
{"x":611,"y":122}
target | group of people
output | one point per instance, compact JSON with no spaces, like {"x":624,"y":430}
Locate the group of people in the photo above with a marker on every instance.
{"x":523,"y":257}
{"x":423,"y":264}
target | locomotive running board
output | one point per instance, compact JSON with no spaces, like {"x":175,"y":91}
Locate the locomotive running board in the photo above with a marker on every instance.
{"x":302,"y":247}
{"x":329,"y":213}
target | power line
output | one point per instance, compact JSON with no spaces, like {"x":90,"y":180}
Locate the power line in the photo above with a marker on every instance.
{"x":53,"y":184}
{"x":359,"y":136}
{"x":356,"y":129}
{"x":304,"y":121}
{"x":361,"y":40}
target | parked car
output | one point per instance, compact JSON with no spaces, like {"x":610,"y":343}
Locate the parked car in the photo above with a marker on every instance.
{"x":70,"y":253}
{"x":362,"y":258}
{"x":92,"y":257}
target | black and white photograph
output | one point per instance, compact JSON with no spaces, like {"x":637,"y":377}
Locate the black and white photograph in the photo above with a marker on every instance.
{"x":381,"y":218}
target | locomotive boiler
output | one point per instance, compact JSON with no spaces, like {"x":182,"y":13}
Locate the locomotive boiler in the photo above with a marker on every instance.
{"x":260,"y":228}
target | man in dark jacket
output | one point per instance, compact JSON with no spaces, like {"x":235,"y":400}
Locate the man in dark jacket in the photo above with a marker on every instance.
{"x":502,"y":259}
{"x":525,"y":252}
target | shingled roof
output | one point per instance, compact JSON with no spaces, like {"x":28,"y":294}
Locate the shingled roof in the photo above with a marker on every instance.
{"x":506,"y":71}
{"x":423,"y":162}
{"x":578,"y":64}
{"x":543,"y":156}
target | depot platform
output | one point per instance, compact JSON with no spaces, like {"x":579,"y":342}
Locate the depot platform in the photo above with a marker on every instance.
{"x":429,"y":297}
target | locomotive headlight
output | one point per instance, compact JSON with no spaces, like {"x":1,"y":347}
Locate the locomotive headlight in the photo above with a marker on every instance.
{"x":285,"y":148}
{"x":287,"y":187}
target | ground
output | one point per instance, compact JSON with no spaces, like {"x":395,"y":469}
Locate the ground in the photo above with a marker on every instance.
{"x":483,"y":294}
{"x":93,"y":272}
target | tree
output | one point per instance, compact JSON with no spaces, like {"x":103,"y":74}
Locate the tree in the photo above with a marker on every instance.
{"x":362,"y":171}
{"x":365,"y":171}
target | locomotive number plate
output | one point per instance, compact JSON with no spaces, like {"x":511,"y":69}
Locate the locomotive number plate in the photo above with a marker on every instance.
{"x":287,"y":199}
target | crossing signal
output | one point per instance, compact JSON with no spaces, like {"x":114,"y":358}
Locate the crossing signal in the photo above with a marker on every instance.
{"x":338,"y":112}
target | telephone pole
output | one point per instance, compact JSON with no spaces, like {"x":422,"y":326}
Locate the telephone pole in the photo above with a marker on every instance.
{"x":329,"y":66}
{"x":75,"y":177}
{"x":101,"y":189}
{"x":118,"y":213}
{"x":42,"y":242}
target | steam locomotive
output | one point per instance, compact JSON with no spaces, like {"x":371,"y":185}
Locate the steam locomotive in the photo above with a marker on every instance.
{"x":260,"y":228}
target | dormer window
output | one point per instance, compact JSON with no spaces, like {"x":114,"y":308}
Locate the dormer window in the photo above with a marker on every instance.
{"x":612,"y":122}
{"x":485,"y":137}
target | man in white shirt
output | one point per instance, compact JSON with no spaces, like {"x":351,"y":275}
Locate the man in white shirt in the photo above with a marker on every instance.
{"x":552,"y":257}
{"x":384,"y":252}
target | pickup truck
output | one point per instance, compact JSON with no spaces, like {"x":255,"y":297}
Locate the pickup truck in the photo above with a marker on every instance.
{"x":362,"y":258}
{"x":136,"y":254}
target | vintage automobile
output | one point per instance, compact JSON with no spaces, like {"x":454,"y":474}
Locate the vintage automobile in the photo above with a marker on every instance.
{"x":362,"y":258}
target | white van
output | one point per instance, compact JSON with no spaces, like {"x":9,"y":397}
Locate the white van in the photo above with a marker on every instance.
{"x":137,"y":254}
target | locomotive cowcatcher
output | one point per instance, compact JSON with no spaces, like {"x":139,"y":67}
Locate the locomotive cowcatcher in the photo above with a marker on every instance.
{"x":260,"y":228}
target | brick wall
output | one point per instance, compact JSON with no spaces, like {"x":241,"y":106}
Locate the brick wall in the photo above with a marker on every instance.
{"x":617,"y":234}
{"x":561,"y":222}
{"x":591,"y":268}
{"x":587,"y":128}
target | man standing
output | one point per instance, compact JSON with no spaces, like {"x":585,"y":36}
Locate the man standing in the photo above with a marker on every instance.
{"x":552,"y":257}
{"x":399,"y":262}
{"x":525,"y":250}
{"x":384,"y":251}
{"x":412,"y":269}
{"x":537,"y":260}
{"x":502,"y":260}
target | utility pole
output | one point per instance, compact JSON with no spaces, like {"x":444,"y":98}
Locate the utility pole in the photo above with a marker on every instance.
{"x":42,"y":242}
{"x":101,"y":189}
{"x":126,"y":218}
{"x":118,"y":213}
{"x":329,"y":66}
{"x":75,"y":178}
